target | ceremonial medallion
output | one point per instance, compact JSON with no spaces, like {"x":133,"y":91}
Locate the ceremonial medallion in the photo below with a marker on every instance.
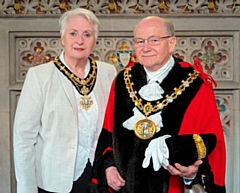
{"x":145,"y":129}
{"x":86,"y":102}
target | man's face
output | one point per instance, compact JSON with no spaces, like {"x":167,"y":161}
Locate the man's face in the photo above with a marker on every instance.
{"x":153,"y":57}
{"x":78,"y":39}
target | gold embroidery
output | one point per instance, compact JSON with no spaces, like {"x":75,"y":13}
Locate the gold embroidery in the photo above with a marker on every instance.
{"x":201,"y":148}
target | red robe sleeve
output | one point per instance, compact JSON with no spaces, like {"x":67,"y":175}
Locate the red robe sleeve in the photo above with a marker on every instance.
{"x":202,"y":117}
{"x":109,"y":120}
{"x":104,"y":146}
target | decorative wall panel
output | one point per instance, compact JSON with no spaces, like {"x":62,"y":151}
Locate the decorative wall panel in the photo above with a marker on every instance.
{"x":215,"y":53}
{"x":229,"y":114}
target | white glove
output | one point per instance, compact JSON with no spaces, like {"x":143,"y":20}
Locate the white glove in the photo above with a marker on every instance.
{"x":157,"y":150}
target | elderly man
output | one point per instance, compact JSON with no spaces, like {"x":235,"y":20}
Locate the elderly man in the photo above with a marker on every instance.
{"x":159,"y":123}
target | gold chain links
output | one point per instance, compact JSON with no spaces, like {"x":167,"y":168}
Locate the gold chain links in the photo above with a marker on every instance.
{"x":84,"y":86}
{"x":148,"y":108}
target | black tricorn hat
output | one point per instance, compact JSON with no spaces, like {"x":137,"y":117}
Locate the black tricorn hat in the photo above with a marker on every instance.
{"x":188,"y":148}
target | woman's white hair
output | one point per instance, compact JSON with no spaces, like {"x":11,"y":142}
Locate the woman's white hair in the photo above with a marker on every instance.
{"x":79,"y":12}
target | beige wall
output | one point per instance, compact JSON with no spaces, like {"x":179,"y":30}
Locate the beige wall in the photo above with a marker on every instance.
{"x":194,"y":34}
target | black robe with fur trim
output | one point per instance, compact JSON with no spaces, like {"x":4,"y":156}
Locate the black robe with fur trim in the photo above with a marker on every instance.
{"x":120,"y":147}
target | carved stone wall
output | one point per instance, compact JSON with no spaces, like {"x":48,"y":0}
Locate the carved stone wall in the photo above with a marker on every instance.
{"x":120,"y":6}
{"x":206,"y":30}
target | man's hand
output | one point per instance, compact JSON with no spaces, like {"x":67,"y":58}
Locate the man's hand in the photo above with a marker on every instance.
{"x":114,"y":179}
{"x":186,"y":172}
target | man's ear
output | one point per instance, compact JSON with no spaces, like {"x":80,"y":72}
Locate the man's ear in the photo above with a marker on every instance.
{"x":172,"y":44}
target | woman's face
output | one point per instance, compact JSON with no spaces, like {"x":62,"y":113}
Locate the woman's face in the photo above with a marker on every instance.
{"x":78,"y":39}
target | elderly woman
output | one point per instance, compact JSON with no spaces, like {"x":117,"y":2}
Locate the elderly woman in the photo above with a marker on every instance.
{"x":60,"y":112}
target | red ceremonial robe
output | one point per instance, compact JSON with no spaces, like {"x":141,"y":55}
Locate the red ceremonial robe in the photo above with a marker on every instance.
{"x":194,"y":111}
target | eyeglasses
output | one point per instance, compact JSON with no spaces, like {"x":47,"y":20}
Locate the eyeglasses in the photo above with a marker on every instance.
{"x":153,"y":41}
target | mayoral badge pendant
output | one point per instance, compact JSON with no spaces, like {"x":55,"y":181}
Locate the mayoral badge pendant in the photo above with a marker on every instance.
{"x":86,"y":102}
{"x":145,"y":129}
